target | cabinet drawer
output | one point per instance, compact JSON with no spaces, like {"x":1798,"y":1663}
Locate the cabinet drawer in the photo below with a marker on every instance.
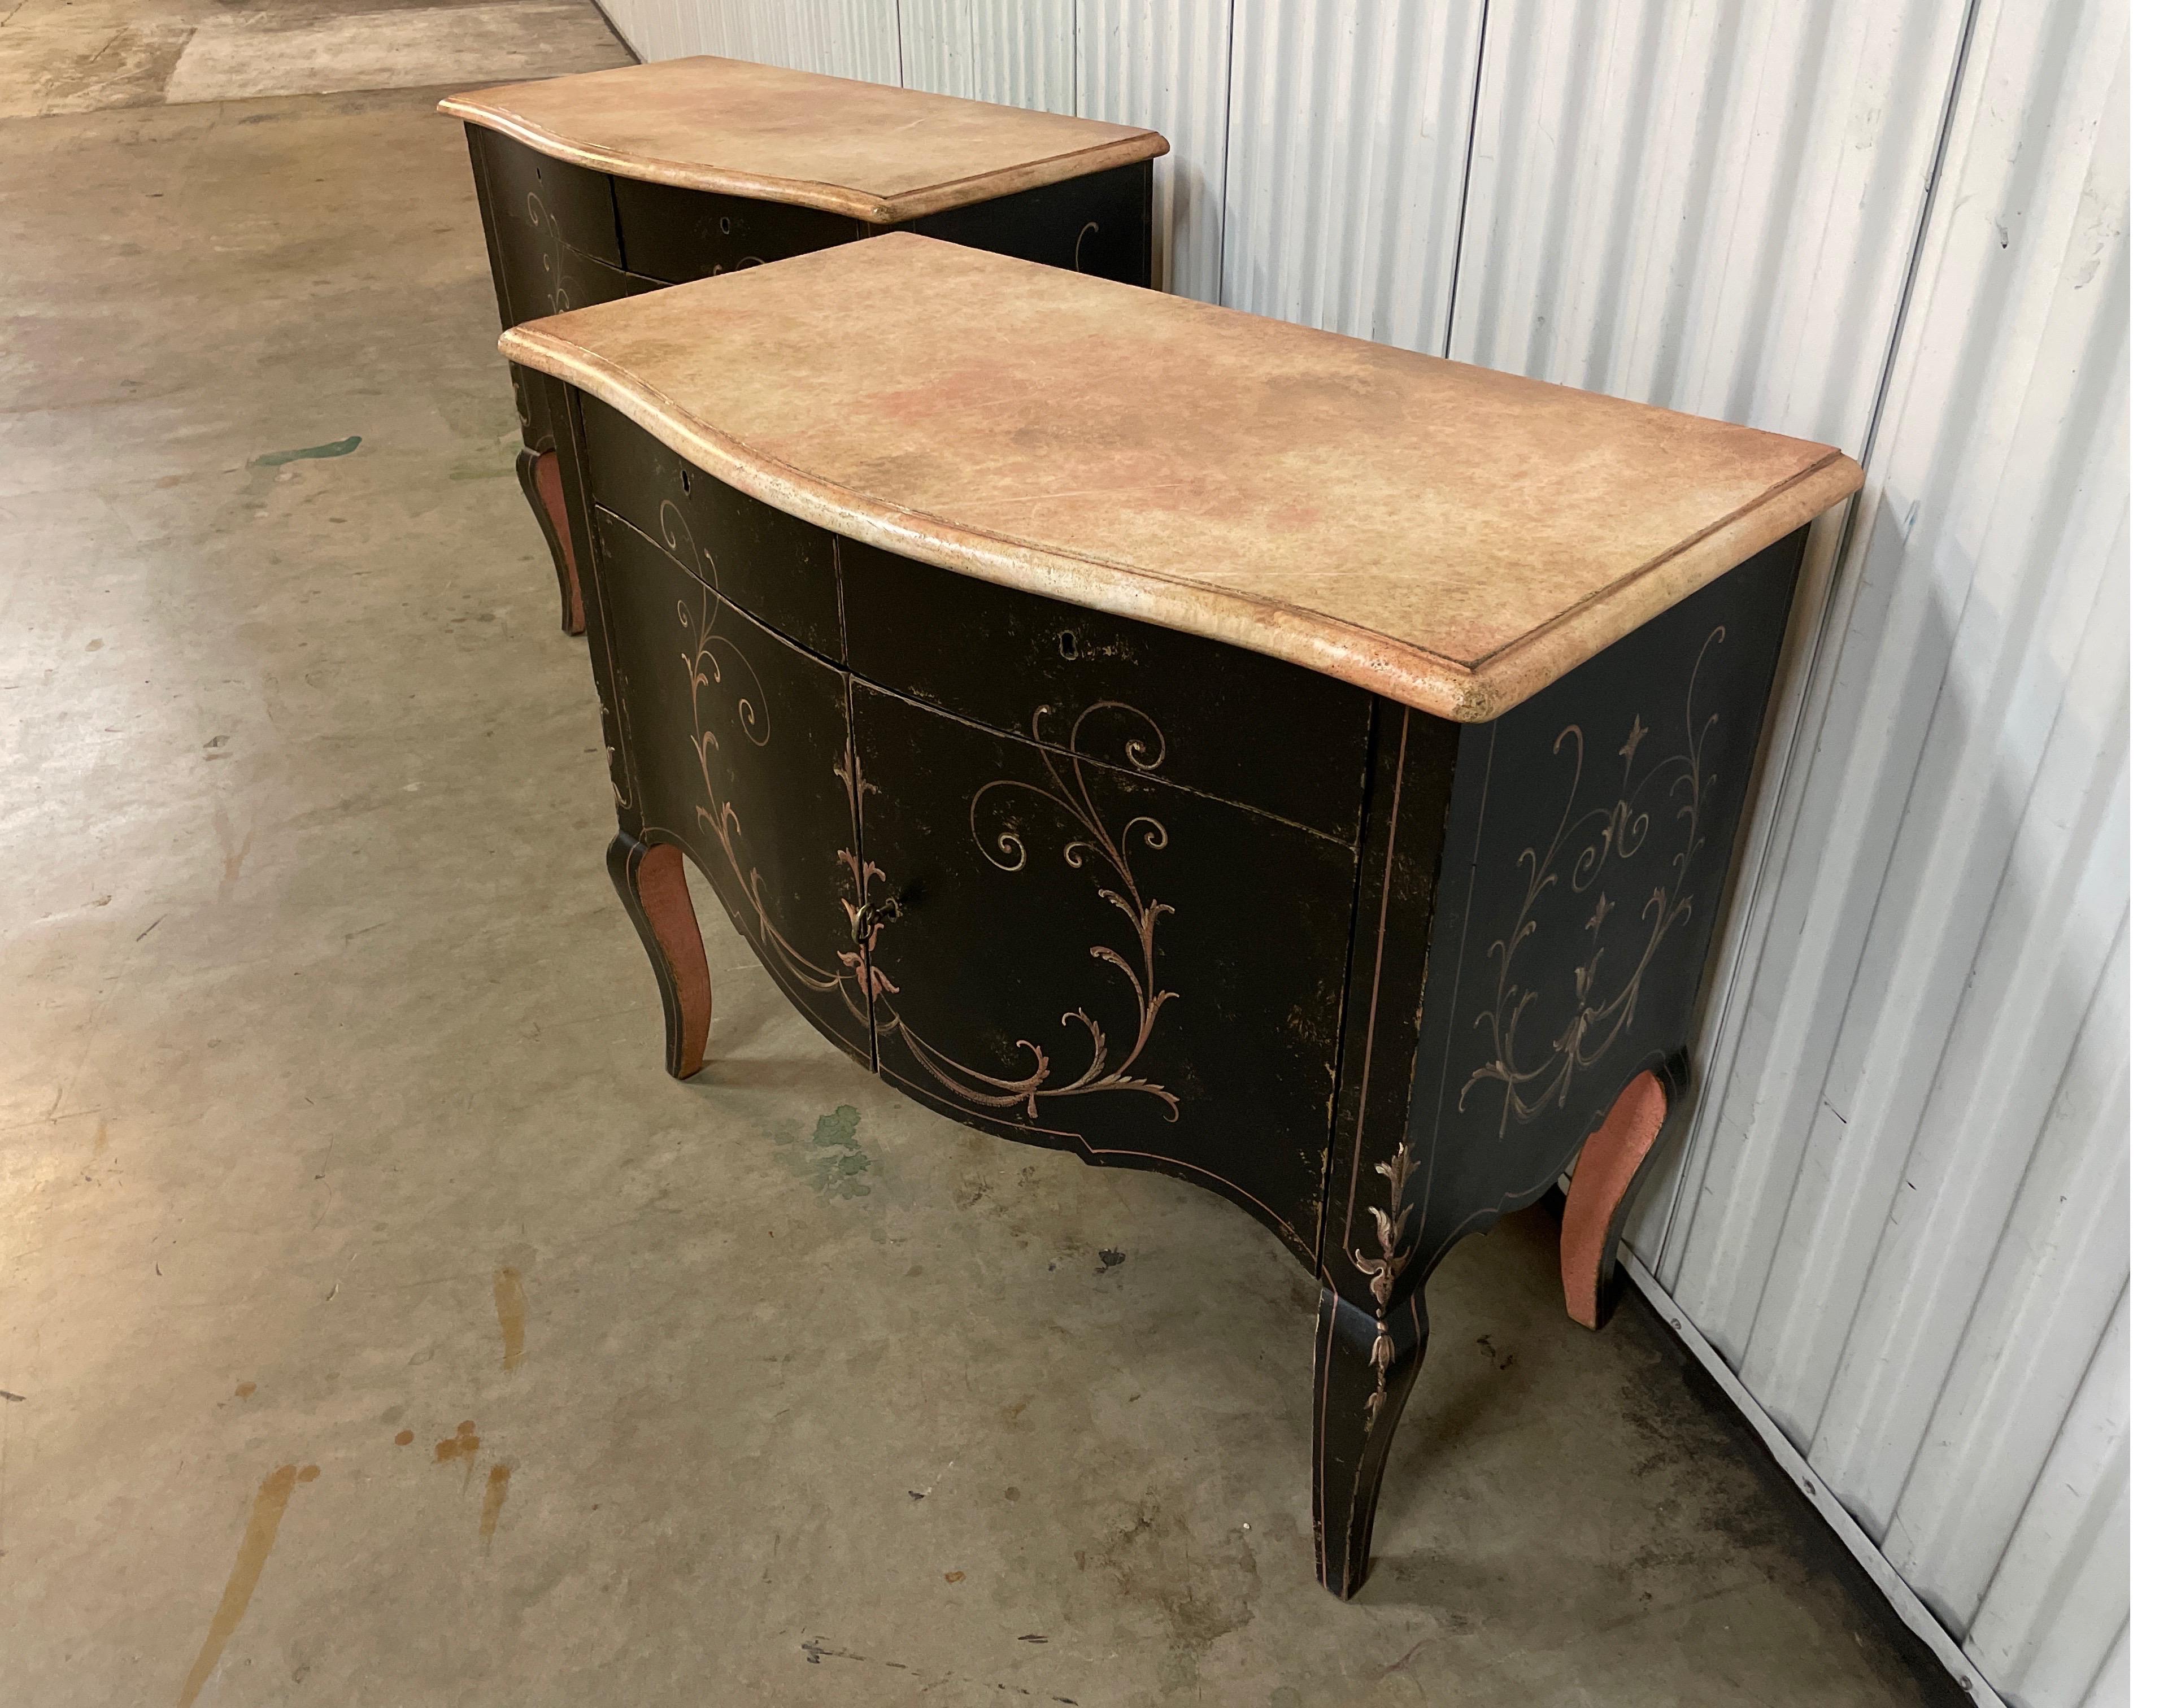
{"x":775,"y":568}
{"x":563,"y":205}
{"x":676,"y":235}
{"x":1209,"y":717}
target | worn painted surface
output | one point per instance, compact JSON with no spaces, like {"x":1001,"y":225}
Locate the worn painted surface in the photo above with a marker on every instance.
{"x":320,"y":1016}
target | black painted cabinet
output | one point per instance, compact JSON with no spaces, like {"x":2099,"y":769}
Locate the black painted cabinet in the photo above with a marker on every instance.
{"x":1377,"y":977}
{"x":562,"y":237}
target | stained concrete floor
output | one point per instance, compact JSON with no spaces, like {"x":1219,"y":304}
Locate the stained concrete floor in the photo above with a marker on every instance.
{"x":379,"y":1324}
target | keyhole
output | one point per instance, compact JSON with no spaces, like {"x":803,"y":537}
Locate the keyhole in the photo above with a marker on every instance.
{"x":1067,"y":648}
{"x":685,"y":483}
{"x":727,"y":225}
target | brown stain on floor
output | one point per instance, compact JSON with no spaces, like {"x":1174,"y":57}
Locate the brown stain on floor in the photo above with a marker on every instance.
{"x":258,"y":1536}
{"x":508,"y":1300}
{"x":462,"y":1445}
{"x":404,"y":1438}
{"x":495,"y":1497}
{"x":243,"y":1390}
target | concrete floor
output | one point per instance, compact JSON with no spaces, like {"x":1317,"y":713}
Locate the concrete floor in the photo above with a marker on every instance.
{"x":379,"y":1324}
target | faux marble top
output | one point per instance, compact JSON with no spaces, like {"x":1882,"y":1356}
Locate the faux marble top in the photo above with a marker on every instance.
{"x":1450,"y":537}
{"x":867,"y":150}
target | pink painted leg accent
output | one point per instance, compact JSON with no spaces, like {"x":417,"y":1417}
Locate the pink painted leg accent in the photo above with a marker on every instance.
{"x":1612,"y":1157}
{"x":663,"y":888}
{"x":554,"y":498}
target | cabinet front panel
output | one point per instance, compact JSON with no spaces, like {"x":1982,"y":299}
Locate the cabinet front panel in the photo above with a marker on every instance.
{"x":735,"y":745}
{"x":1084,"y":956}
{"x":678,"y":235}
{"x":776,"y":568}
{"x":1208,"y":716}
{"x":532,"y":206}
{"x":552,"y":206}
{"x":1099,"y":224}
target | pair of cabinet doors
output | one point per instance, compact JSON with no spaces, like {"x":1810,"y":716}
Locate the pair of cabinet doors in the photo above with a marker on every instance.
{"x":1076,"y":880}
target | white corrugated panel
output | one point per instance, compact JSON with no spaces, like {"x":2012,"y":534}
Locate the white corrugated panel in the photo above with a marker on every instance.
{"x":1349,"y":132}
{"x":1706,"y":204}
{"x":652,"y":28}
{"x":1901,"y":1218}
{"x":1905,"y":1225}
{"x":1163,"y":64}
{"x":842,"y":38}
{"x":1021,"y":53}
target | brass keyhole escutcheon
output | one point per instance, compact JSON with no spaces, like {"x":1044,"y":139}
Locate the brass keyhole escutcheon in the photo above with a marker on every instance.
{"x":871,"y":917}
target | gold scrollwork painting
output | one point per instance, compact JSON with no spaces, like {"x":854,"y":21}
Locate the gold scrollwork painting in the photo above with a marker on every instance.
{"x":1091,"y":840}
{"x":716,"y":667}
{"x":552,"y":257}
{"x":1384,"y":1268}
{"x":1586,"y":850}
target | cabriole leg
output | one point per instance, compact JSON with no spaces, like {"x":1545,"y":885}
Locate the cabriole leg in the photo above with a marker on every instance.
{"x":1613,"y":1162}
{"x":1365,"y":1369}
{"x":655,"y":888}
{"x":539,"y":475}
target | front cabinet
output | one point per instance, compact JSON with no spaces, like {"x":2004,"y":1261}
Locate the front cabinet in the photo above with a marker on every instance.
{"x":1075,"y":954}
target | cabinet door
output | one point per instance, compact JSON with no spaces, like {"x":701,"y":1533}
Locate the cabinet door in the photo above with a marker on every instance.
{"x":736,"y":748}
{"x":1085,"y":957}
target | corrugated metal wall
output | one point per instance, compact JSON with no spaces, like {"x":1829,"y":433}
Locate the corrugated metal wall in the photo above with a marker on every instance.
{"x":1900,"y":226}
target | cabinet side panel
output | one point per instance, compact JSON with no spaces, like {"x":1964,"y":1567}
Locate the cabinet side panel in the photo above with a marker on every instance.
{"x":1593,"y":832}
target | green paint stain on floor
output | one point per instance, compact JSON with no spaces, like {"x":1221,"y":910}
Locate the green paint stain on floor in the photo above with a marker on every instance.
{"x":831,"y":1160}
{"x":338,"y":447}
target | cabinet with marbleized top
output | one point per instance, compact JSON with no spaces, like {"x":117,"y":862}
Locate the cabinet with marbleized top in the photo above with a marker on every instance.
{"x":1132,"y":727}
{"x":608,"y":183}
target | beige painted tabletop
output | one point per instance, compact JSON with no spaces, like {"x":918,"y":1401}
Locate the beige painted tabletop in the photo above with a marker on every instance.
{"x":867,"y":150}
{"x":1449,"y":536}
